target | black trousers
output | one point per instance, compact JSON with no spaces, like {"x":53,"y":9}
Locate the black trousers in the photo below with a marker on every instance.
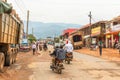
{"x":33,"y":51}
{"x":100,"y":50}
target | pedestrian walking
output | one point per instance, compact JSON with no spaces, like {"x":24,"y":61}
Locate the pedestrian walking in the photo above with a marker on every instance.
{"x":100,"y":47}
{"x":34,"y":48}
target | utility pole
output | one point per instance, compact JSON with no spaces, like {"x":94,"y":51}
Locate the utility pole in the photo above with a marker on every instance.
{"x":32,"y":31}
{"x":27,"y":23}
{"x":90,"y":17}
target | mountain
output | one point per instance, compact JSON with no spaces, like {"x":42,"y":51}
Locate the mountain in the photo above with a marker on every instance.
{"x":43,"y":30}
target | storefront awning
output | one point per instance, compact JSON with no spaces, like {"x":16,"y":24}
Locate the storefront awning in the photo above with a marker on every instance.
{"x":113,"y":32}
{"x":5,"y":7}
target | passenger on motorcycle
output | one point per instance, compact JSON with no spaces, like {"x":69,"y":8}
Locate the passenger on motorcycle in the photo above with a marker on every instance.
{"x":69,"y":49}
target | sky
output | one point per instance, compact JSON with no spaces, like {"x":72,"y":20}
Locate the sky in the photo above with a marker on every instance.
{"x":67,"y":11}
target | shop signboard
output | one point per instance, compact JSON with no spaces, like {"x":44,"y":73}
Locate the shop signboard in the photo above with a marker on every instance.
{"x":93,"y":40}
{"x":116,"y":27}
{"x":108,"y":28}
{"x":96,"y":30}
{"x":108,"y":36}
{"x":87,"y":36}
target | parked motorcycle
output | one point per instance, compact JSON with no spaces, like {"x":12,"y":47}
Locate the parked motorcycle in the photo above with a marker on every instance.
{"x":69,"y":57}
{"x":93,"y":47}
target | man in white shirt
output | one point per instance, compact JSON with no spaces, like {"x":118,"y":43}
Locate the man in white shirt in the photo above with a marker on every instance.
{"x":69,"y":48}
{"x":34,"y":48}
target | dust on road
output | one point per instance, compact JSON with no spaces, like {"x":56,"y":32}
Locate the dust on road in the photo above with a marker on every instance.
{"x":83,"y":67}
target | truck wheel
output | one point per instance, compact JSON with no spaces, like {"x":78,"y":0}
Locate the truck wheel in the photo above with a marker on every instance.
{"x":8,"y":60}
{"x":2,"y":60}
{"x":13,"y":57}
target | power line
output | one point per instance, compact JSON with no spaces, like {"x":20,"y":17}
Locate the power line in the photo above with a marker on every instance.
{"x":22,"y":12}
{"x":93,"y":19}
{"x":21,"y":9}
{"x":23,"y":4}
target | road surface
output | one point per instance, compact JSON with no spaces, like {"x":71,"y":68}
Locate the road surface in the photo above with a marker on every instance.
{"x":83,"y":67}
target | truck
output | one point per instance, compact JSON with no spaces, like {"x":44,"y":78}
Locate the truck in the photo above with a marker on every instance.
{"x":10,"y":35}
{"x":76,"y":39}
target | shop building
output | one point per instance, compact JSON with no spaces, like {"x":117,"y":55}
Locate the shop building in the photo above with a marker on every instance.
{"x":67,"y":32}
{"x":113,"y":32}
{"x":98,"y":32}
{"x":86,"y":35}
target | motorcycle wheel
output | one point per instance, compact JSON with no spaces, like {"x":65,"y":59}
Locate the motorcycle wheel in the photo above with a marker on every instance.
{"x":68,"y":61}
{"x":60,"y":71}
{"x":52,"y":69}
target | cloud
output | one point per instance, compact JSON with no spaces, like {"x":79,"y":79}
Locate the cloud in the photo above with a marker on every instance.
{"x":70,"y":11}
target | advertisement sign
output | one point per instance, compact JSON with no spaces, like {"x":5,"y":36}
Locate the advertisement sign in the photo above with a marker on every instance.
{"x":93,"y":40}
{"x":96,"y":30}
{"x":108,"y":29}
{"x":108,"y":36}
{"x":116,"y":27}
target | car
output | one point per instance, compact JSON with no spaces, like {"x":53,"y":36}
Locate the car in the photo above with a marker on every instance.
{"x":25,"y":47}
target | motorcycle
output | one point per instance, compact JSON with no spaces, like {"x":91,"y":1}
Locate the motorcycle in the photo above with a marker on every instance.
{"x":93,"y":47}
{"x":68,"y":58}
{"x":57,"y":65}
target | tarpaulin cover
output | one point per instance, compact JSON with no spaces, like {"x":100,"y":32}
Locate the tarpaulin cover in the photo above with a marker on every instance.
{"x":5,"y":7}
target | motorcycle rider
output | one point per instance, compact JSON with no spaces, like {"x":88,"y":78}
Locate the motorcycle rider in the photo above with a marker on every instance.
{"x":55,"y":51}
{"x":45,"y":46}
{"x":69,"y":48}
{"x":54,"y":55}
{"x":59,"y":54}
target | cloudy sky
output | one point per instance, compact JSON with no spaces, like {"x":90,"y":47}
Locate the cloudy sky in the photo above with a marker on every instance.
{"x":67,"y":11}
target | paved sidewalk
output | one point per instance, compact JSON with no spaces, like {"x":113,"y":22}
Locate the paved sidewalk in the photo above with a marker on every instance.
{"x":108,"y":53}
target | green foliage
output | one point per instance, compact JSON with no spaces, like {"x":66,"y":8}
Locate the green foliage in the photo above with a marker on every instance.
{"x":56,"y":40}
{"x":61,"y":37}
{"x":31,"y":38}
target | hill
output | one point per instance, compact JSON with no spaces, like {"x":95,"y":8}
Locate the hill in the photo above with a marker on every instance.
{"x":43,"y":30}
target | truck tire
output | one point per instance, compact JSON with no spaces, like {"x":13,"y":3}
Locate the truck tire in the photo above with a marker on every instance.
{"x":8,"y":60}
{"x":13,"y":57}
{"x":2,"y":60}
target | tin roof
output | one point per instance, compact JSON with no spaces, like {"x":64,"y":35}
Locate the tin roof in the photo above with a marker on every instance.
{"x":69,"y":30}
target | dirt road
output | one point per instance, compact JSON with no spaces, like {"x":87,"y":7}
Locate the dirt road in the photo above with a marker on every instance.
{"x":83,"y":67}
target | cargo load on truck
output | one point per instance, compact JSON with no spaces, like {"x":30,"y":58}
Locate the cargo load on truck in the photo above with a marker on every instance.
{"x":5,"y":7}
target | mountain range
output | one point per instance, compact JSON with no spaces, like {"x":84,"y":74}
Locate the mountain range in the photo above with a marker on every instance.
{"x":43,"y":30}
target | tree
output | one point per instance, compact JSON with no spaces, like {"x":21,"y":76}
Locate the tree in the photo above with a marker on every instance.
{"x":31,"y":38}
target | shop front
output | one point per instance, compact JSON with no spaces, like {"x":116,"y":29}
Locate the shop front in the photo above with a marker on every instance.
{"x":86,"y":41}
{"x":112,"y":36}
{"x":95,"y":33}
